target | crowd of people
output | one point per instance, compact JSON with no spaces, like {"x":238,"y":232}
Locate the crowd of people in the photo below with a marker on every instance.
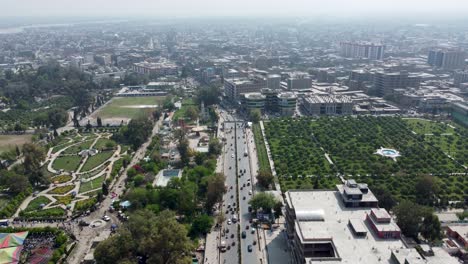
{"x":38,"y":247}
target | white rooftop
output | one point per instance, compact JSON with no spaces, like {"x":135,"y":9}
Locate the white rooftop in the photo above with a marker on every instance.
{"x":335,"y":227}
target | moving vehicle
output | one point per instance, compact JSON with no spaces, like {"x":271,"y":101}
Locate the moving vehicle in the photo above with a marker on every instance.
{"x":244,"y":234}
{"x":246,"y":153}
{"x":106,"y":218}
{"x":249,"y":248}
{"x":222,"y":247}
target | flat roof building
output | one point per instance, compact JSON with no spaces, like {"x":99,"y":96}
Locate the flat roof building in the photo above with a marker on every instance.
{"x":322,"y":227}
{"x":327,"y":105}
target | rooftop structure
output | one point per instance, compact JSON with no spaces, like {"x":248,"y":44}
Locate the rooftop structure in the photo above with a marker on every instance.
{"x":323,"y":226}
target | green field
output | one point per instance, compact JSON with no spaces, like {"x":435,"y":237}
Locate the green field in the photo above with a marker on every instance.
{"x":9,"y":142}
{"x":102,"y":142}
{"x":261,"y":149}
{"x":35,"y":203}
{"x":79,"y":147}
{"x":67,"y":163}
{"x":91,"y":185}
{"x":129,"y":107}
{"x":181,"y":113}
{"x":96,"y":160}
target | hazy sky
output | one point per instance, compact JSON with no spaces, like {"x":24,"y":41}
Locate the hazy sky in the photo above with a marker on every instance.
{"x":228,"y":7}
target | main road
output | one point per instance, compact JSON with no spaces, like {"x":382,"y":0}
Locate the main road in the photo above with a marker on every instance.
{"x":229,"y":231}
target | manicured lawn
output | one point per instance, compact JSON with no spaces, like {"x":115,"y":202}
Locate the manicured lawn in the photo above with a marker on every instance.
{"x":61,"y":178}
{"x":102,"y":142}
{"x":91,"y":185}
{"x":65,"y":200}
{"x":35,"y":204}
{"x":62,"y":189}
{"x":96,"y":160}
{"x":9,"y":142}
{"x":46,"y":213}
{"x":261,"y":149}
{"x":79,"y":147}
{"x":129,"y":107}
{"x":67,"y":163}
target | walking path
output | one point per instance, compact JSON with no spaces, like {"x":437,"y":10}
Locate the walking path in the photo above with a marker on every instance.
{"x":270,"y":158}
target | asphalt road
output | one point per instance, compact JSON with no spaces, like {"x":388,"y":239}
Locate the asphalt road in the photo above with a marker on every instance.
{"x":230,"y":204}
{"x":245,"y":194}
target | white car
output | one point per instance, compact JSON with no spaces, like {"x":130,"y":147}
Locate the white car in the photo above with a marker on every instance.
{"x":232,"y":155}
{"x":229,"y":222}
{"x":250,"y":192}
{"x":106,"y":218}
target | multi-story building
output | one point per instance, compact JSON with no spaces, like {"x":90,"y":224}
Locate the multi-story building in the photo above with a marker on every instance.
{"x":386,"y":82}
{"x":155,"y":68}
{"x":362,"y":50}
{"x":286,"y":103}
{"x":327,"y":105}
{"x":233,"y":88}
{"x":446,"y":59}
{"x":330,"y":226}
{"x":460,"y":77}
{"x":460,"y":113}
{"x":253,"y":101}
{"x":298,"y":80}
{"x":270,"y":100}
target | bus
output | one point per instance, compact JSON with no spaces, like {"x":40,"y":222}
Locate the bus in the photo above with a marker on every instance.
{"x":4,"y":222}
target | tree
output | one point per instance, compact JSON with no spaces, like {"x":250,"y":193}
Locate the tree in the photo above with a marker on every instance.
{"x":430,"y":227}
{"x":56,"y":134}
{"x":105,"y":188}
{"x":209,"y":95}
{"x":16,"y":182}
{"x":116,"y":249}
{"x":214,"y":146}
{"x":265,"y":201}
{"x":215,"y":190}
{"x":278,"y":209}
{"x":255,"y":116}
{"x":99,"y":121}
{"x":18,"y":151}
{"x":265,"y":178}
{"x":33,"y":157}
{"x":408,"y":216}
{"x":89,"y":126}
{"x":201,"y":225}
{"x":192,"y":112}
{"x":426,"y":189}
{"x":385,"y":198}
{"x":57,"y":117}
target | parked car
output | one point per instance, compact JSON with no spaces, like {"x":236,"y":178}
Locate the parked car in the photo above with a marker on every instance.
{"x":249,"y":248}
{"x":244,"y":234}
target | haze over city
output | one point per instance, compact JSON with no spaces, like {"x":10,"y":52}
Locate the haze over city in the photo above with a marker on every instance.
{"x":233,"y":132}
{"x":217,"y":8}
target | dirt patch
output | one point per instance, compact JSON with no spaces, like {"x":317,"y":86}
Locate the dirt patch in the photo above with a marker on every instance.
{"x":8,"y":142}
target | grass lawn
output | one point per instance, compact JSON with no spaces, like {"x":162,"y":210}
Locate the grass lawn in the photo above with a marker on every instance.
{"x":101,"y":143}
{"x":261,"y":149}
{"x":129,"y":107}
{"x":62,"y":189}
{"x":35,"y":203}
{"x":8,"y":142}
{"x":181,"y":113}
{"x":67,"y":163}
{"x":61,"y":178}
{"x":96,"y":160}
{"x":91,"y":185}
{"x":79,"y":147}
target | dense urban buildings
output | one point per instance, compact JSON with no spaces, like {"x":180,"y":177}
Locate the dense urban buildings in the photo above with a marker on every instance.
{"x":362,"y":50}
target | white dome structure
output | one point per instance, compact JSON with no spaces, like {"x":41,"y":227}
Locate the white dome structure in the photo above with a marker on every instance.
{"x":310,"y":215}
